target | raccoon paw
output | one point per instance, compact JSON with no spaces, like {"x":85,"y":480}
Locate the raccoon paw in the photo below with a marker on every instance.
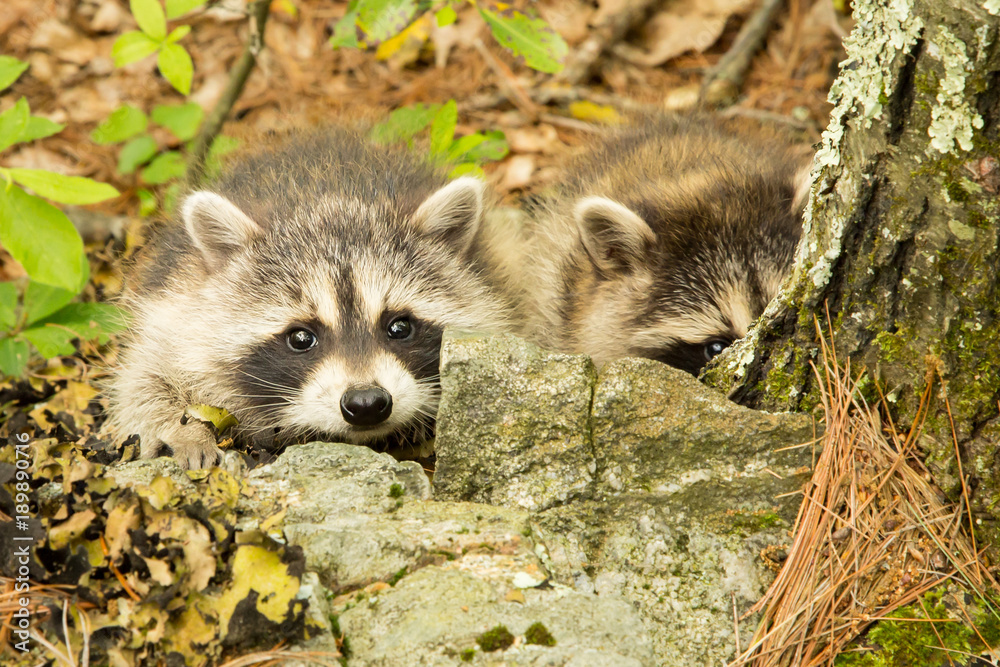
{"x":192,"y":445}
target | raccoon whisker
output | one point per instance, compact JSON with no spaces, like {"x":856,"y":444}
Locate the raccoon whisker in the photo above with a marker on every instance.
{"x":266,"y":383}
{"x":283,"y":399}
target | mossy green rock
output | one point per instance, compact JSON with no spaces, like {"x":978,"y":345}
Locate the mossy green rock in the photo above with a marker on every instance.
{"x":435,"y":615}
{"x":658,"y":428}
{"x":514,"y":423}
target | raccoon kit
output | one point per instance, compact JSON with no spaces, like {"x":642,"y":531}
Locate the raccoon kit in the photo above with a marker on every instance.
{"x":306,"y":292}
{"x":667,"y":242}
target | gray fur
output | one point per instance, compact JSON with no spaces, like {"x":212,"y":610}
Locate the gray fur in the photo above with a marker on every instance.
{"x":665,"y":242}
{"x":320,"y":230}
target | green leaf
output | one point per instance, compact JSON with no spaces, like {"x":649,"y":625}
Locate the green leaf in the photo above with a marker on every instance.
{"x":39,"y":128}
{"x":42,"y":239}
{"x":136,"y":152}
{"x":10,"y":70}
{"x":89,"y":321}
{"x":42,"y":300}
{"x":445,"y":16}
{"x":13,"y":356}
{"x":178,"y":33}
{"x":382,"y":19}
{"x":221,"y":146}
{"x":528,"y":37}
{"x":147,"y":202}
{"x":176,"y":66}
{"x":51,"y":341}
{"x":131,"y":47}
{"x":165,"y":167}
{"x":8,"y":304}
{"x":177,"y":8}
{"x":124,"y":123}
{"x":443,"y":128}
{"x":492,"y":147}
{"x":63,"y":189}
{"x":345,"y":33}
{"x":149,"y":15}
{"x":183,"y":120}
{"x":467,"y":169}
{"x":218,"y":417}
{"x":13,"y":122}
{"x":403,"y":123}
{"x":462,"y":146}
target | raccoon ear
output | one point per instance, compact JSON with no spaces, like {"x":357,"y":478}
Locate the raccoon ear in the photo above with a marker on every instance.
{"x":616,"y":239}
{"x":217,"y":226}
{"x":453,"y":212}
{"x":802,"y":183}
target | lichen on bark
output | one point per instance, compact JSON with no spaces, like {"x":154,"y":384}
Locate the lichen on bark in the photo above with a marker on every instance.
{"x":901,"y":240}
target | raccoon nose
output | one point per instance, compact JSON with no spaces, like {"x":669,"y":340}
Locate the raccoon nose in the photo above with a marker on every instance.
{"x":366,"y":405}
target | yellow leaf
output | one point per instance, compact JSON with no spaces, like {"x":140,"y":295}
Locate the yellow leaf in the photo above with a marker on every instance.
{"x":405,"y":47}
{"x":594,"y":113}
{"x":73,"y":527}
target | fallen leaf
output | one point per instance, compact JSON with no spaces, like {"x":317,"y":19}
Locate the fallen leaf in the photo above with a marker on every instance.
{"x":685,"y":25}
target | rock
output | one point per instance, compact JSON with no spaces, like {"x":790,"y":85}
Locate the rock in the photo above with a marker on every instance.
{"x":514,"y":423}
{"x":658,"y":428}
{"x":435,"y":616}
{"x":145,"y":471}
{"x":683,"y":493}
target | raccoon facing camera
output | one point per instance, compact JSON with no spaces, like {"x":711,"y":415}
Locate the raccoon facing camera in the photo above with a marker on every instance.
{"x":305,"y":291}
{"x":666,"y":242}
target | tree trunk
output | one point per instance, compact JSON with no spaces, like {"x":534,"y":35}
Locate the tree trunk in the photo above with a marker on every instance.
{"x":901,"y":240}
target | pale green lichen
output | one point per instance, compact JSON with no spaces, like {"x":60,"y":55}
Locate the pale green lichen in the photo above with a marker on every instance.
{"x":952,"y":119}
{"x":992,"y":6}
{"x":881,"y":33}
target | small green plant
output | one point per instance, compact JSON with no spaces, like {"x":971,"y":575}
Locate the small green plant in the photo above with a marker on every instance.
{"x":495,"y":639}
{"x":130,"y":126}
{"x":468,"y":654}
{"x":387,"y":24}
{"x":466,"y":152}
{"x":173,"y":60}
{"x":37,"y":312}
{"x":905,"y":643}
{"x":538,"y":634}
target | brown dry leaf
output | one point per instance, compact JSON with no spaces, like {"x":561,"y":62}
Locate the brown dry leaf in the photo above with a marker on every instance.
{"x":684,"y":25}
{"x":518,"y":172}
{"x":463,"y":32}
{"x":542,"y":138}
{"x":571,"y":18}
{"x":514,"y":595}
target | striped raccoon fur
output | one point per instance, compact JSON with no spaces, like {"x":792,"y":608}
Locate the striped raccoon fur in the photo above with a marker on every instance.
{"x":306,"y":292}
{"x":666,"y":242}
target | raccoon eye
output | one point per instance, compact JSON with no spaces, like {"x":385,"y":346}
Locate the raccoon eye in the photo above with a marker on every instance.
{"x":714,"y":348}
{"x":400,"y":328}
{"x":300,"y":340}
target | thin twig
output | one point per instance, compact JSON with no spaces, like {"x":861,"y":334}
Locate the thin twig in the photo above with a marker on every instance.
{"x":723,"y":82}
{"x":237,"y":80}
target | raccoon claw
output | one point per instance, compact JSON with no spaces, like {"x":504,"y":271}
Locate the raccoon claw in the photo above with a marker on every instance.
{"x":191,"y":445}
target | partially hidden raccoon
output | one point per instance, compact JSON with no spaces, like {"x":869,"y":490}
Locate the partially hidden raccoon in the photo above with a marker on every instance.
{"x":666,"y":242}
{"x":305,"y":291}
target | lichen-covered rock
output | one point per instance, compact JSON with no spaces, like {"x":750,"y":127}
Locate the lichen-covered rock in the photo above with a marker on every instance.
{"x":658,"y":428}
{"x":514,"y":423}
{"x":686,"y":493}
{"x":434,"y":617}
{"x":359,"y":518}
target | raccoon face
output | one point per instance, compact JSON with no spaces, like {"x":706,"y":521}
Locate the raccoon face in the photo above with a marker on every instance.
{"x":681,"y":294}
{"x":334,"y":317}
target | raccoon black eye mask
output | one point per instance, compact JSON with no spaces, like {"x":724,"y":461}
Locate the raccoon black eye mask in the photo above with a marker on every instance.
{"x":305,"y":291}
